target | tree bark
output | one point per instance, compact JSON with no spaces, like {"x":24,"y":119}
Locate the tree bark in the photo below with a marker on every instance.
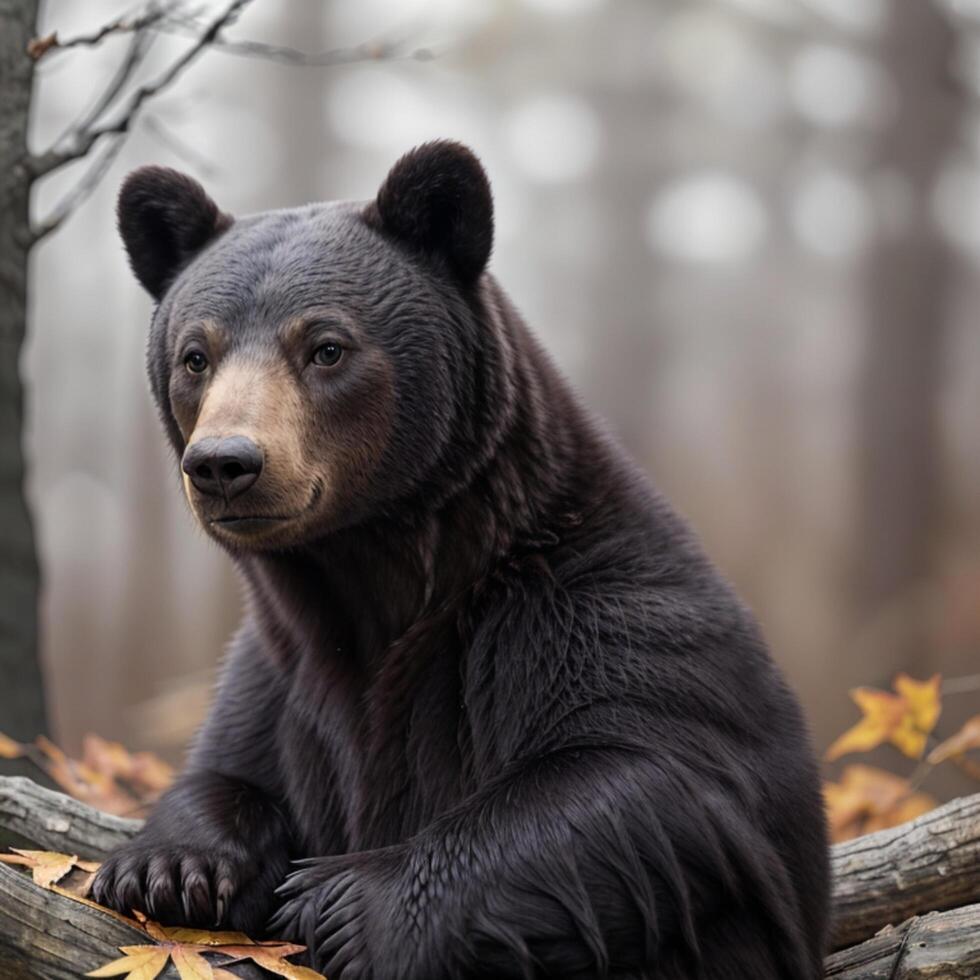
{"x":22,"y":709}
{"x":937,"y":945}
{"x":909,"y":871}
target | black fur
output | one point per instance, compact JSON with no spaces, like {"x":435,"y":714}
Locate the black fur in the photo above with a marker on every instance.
{"x":165,"y":218}
{"x":497,"y":704}
{"x":437,"y":201}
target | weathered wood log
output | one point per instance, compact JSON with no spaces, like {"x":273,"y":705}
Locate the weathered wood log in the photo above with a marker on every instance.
{"x":49,"y":821}
{"x":936,"y":945}
{"x":929,"y":864}
{"x":920,"y":880}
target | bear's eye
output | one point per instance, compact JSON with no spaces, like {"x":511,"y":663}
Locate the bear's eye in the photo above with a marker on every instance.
{"x":327,"y":355}
{"x":195,"y":362}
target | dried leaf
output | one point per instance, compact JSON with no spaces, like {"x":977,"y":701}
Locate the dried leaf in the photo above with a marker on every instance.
{"x":197,"y":937}
{"x":867,"y":798}
{"x":9,"y":749}
{"x":276,"y":964}
{"x":923,"y":700}
{"x":139,"y":963}
{"x":47,"y":867}
{"x":882,"y":715}
{"x":191,"y":965}
{"x":968,"y":737}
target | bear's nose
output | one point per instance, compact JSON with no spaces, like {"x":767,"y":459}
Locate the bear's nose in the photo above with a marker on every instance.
{"x":223,"y":467}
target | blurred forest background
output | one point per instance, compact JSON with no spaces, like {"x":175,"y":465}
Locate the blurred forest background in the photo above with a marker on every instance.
{"x":748,"y":230}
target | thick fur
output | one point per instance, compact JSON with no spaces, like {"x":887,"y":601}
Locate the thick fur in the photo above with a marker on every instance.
{"x":499,"y":709}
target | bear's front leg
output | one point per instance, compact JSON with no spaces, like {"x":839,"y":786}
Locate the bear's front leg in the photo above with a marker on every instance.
{"x":212,"y":854}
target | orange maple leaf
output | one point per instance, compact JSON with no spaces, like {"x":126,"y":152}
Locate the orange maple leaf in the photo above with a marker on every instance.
{"x":904,"y":718}
{"x":867,"y":798}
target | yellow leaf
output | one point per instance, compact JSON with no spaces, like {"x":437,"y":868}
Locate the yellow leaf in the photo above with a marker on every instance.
{"x":197,"y":937}
{"x":191,"y":965}
{"x":867,"y":798}
{"x":882,"y":714}
{"x":923,"y":700}
{"x":908,"y":739}
{"x":968,"y":737}
{"x":47,"y":867}
{"x":139,"y":963}
{"x":220,"y":974}
{"x":276,"y":964}
{"x":9,"y":749}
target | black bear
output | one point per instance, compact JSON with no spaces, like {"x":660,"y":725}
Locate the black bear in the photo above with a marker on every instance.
{"x":491,"y":711}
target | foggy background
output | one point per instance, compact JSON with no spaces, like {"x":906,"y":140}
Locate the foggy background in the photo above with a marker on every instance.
{"x":747,"y":230}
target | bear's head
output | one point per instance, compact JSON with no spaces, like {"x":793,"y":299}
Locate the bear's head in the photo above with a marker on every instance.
{"x":314,"y":365}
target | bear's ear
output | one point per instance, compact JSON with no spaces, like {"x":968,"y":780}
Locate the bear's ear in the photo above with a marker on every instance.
{"x":165,"y":218}
{"x":436,"y":200}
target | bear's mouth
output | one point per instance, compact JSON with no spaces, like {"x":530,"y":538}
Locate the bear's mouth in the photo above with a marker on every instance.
{"x":254,"y":523}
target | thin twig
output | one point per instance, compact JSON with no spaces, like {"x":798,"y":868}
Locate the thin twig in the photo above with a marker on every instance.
{"x":52,"y":159}
{"x":38,"y":47}
{"x":138,"y":48}
{"x":79,"y":193}
{"x":379,"y":51}
{"x":961,"y":685}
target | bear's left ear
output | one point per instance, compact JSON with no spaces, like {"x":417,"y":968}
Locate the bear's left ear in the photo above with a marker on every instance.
{"x":165,"y":218}
{"x":437,"y":201}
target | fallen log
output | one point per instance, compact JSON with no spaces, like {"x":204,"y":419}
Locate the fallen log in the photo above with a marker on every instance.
{"x":930,"y":864}
{"x":907,"y":900}
{"x":928,"y":947}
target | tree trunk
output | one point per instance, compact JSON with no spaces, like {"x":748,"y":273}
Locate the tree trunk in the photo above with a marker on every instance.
{"x":22,"y":710}
{"x":908,"y":291}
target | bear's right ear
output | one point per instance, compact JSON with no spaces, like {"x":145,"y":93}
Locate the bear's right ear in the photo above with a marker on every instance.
{"x":165,"y":218}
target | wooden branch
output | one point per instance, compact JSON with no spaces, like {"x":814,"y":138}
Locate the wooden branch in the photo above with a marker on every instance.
{"x":932,"y":863}
{"x":83,"y":142}
{"x":926,"y":873}
{"x":41,"y":46}
{"x":937,"y":946}
{"x":31,"y":816}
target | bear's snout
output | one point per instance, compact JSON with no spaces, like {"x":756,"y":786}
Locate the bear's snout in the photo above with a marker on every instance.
{"x":223,"y":467}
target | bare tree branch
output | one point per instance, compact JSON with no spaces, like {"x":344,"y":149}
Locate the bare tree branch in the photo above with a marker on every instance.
{"x":67,"y":206}
{"x":84,"y":141}
{"x":371,"y":51}
{"x":138,"y":48}
{"x":41,"y":46}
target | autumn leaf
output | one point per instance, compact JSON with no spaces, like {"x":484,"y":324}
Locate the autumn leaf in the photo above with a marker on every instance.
{"x":867,"y":798}
{"x":139,"y":963}
{"x":47,"y":867}
{"x":266,"y":958}
{"x":904,"y":718}
{"x":191,"y":965}
{"x":9,"y":749}
{"x":187,"y":948}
